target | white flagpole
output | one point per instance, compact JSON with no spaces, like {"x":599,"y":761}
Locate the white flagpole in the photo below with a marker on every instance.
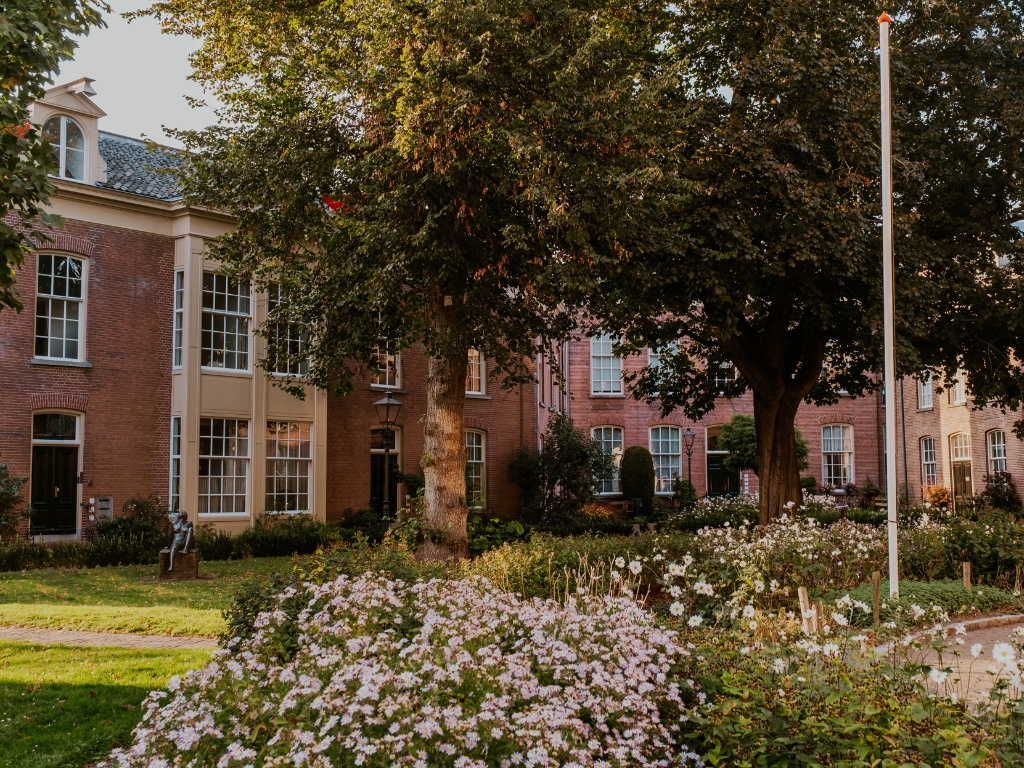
{"x":887,"y":288}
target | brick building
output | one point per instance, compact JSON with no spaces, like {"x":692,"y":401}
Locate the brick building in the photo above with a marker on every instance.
{"x":133,"y":371}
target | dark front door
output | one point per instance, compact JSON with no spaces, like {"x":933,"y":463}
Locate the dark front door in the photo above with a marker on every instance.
{"x":54,"y":488}
{"x":962,"y":487}
{"x":377,"y":482}
{"x":721,"y":481}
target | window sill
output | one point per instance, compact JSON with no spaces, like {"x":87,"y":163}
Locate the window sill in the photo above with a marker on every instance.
{"x":226,"y":371}
{"x":225,"y":515}
{"x":929,"y":408}
{"x":608,"y":394}
{"x":59,"y":362}
{"x":477,"y":396}
{"x":386,"y":388}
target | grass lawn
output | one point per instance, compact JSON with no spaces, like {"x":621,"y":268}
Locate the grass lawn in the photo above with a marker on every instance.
{"x":64,"y":707}
{"x":119,"y":599}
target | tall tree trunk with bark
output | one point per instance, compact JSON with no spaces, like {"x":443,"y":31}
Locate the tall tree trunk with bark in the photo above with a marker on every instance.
{"x":444,"y":446}
{"x":778,"y":472}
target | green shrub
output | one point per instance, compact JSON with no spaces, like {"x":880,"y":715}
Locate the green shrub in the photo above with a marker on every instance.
{"x":140,"y":529}
{"x":685,"y":493}
{"x":717,"y":512}
{"x":999,"y":493}
{"x":363,"y":522}
{"x":562,"y":477}
{"x":487,"y":532}
{"x":23,"y":555}
{"x":11,"y":510}
{"x":946,"y":595}
{"x":636,"y":473}
{"x":270,"y":536}
{"x":214,"y":544}
{"x":739,"y":438}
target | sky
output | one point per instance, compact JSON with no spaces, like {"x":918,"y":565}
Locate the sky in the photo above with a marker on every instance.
{"x":141,"y":76}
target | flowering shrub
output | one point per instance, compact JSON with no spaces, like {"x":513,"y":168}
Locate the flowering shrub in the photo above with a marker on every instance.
{"x":439,"y":673}
{"x":717,"y":511}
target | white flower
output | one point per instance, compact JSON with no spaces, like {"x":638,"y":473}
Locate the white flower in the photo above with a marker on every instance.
{"x":938,"y":676}
{"x":695,"y":621}
{"x":675,"y":590}
{"x":620,"y":562}
{"x":615,"y":575}
{"x":917,"y":611}
{"x":1003,"y":653}
{"x":677,"y":609}
{"x":758,"y":586}
{"x":839,"y":619}
{"x":753,"y":626}
{"x":844,"y":603}
{"x":635,"y":567}
{"x":703,"y":588}
{"x":779,"y":666}
{"x":976,"y":650}
{"x":773,"y":585}
{"x":830,"y":650}
{"x":748,"y":612}
{"x":687,"y":560}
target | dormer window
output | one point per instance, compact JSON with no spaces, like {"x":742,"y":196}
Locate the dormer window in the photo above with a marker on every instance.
{"x":68,"y":142}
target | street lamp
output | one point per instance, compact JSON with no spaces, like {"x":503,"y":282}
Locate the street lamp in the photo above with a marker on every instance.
{"x":387,"y":413}
{"x":688,"y":438}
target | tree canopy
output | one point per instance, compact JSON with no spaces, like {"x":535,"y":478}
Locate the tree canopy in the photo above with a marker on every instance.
{"x":418,"y":172}
{"x":739,"y":438}
{"x":35,"y":36}
{"x":770,"y":264}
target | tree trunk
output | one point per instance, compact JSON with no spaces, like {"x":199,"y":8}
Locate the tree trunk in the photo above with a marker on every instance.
{"x":444,"y":448}
{"x":777,"y":468}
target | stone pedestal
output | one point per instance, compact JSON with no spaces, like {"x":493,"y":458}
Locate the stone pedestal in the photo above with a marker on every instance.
{"x":186,"y":565}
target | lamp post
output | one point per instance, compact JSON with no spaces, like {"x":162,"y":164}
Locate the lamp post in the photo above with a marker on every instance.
{"x":387,"y":413}
{"x":688,"y":437}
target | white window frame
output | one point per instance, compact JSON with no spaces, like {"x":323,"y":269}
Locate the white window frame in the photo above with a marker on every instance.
{"x":844,"y":453}
{"x":668,"y":464}
{"x":960,"y":447}
{"x":609,"y":437}
{"x":296,"y":460}
{"x":67,"y":300}
{"x":929,"y":462}
{"x":654,"y":355}
{"x":62,"y":150}
{"x":476,"y":373}
{"x":230,"y":452}
{"x":925,"y":395}
{"x":995,"y":450}
{"x":294,"y":339}
{"x":241,"y":291}
{"x":179,"y":317}
{"x":958,"y":390}
{"x":389,"y":363}
{"x":475,"y":497}
{"x":174,"y":490}
{"x":605,"y":367}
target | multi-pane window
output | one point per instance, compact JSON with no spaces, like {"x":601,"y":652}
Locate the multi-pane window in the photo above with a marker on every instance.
{"x":610,"y":440}
{"x":605,"y":367}
{"x":725,"y":376}
{"x":175,"y":495}
{"x":837,"y":454}
{"x":474,"y":468}
{"x":924,"y":392}
{"x":389,"y":366}
{"x":667,"y":457}
{"x":288,"y":466}
{"x":475,"y":373}
{"x":58,"y":307}
{"x":288,"y":342}
{"x":179,"y":315}
{"x":996,"y":442}
{"x":68,"y":144}
{"x":226,"y":308}
{"x":223,"y":465}
{"x":929,"y":463}
{"x":655,"y":355}
{"x":960,"y":447}
{"x":957,"y":390}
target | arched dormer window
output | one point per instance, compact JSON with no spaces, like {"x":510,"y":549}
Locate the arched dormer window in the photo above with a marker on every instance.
{"x":68,"y":142}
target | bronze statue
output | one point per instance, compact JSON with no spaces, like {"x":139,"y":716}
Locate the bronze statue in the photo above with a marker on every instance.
{"x":181,"y":535}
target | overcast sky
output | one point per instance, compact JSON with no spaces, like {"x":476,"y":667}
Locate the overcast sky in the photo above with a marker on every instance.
{"x":141,"y":76}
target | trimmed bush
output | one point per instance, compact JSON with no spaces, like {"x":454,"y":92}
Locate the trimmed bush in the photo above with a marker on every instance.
{"x":11,"y":510}
{"x":636,"y":473}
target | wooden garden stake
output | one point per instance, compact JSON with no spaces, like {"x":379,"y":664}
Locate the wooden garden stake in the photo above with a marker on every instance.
{"x":876,"y":583}
{"x":967,"y":577}
{"x":805,"y":611}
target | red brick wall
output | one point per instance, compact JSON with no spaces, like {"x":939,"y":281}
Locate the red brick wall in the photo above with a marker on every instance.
{"x":125,"y":395}
{"x":502,"y":416}
{"x":636,"y":419}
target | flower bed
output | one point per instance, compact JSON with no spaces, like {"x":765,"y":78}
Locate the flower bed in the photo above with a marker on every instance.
{"x":433,"y":673}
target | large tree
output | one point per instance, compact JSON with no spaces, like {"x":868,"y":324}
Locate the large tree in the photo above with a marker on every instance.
{"x":35,"y":36}
{"x":771,"y":264}
{"x":417,"y":172}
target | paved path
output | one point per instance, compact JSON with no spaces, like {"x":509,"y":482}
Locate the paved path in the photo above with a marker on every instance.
{"x":72,"y":637}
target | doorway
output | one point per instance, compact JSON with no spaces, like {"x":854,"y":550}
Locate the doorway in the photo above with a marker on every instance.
{"x":377,"y":438}
{"x":54,"y":485}
{"x":962,"y":486}
{"x":721,"y":481}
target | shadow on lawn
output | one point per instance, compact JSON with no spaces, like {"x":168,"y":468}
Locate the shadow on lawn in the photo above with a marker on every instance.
{"x":63,"y":725}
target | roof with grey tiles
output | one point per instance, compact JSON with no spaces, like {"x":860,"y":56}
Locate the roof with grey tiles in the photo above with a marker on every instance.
{"x":132,"y":168}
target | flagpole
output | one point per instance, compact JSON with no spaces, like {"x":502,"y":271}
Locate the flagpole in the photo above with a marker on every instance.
{"x":888,"y":309}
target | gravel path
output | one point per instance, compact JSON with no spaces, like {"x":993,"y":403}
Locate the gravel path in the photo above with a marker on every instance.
{"x":71,"y":637}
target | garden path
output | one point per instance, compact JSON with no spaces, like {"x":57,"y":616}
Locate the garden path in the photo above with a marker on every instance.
{"x":105,"y":639}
